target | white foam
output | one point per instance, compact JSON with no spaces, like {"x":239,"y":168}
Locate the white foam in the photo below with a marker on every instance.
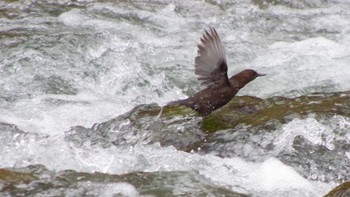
{"x":309,"y":128}
{"x":90,"y":188}
{"x":268,"y":176}
{"x":34,"y":115}
{"x":124,"y":189}
{"x":318,"y":46}
{"x":274,"y":175}
{"x":73,"y":17}
{"x":298,"y":68}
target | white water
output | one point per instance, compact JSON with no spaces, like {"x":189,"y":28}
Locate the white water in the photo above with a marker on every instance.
{"x":117,"y":56}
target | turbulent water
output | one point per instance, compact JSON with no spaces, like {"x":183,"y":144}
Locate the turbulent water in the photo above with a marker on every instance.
{"x":73,"y":63}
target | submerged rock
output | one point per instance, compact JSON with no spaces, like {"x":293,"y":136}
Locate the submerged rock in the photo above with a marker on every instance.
{"x":36,"y":180}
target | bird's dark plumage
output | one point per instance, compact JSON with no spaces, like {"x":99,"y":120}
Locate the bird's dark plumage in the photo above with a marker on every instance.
{"x":211,"y":68}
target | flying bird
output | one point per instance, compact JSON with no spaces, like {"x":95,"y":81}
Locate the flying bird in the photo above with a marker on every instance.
{"x":211,"y":69}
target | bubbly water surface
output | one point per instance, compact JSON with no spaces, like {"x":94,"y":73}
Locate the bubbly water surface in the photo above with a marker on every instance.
{"x":69,"y":63}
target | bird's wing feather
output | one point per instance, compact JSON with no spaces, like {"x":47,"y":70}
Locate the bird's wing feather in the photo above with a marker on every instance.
{"x":210,"y":63}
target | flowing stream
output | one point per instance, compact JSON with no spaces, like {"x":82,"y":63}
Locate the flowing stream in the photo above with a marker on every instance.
{"x":71,"y":63}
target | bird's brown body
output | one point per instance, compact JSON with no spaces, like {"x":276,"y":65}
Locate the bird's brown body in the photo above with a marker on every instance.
{"x":211,"y":67}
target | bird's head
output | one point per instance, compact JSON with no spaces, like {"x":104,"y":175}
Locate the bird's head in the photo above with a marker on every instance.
{"x":241,"y":79}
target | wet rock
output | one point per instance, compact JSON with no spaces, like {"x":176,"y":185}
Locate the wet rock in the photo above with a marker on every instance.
{"x":342,"y":190}
{"x":172,"y":125}
{"x":11,"y":177}
{"x":183,"y":128}
{"x":257,"y":112}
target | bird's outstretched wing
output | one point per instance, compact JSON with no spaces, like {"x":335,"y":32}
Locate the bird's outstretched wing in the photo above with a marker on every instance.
{"x":210,"y":64}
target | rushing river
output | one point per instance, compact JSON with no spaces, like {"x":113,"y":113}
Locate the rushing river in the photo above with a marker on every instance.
{"x":71,"y":63}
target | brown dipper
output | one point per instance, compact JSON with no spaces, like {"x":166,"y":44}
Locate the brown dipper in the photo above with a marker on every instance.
{"x":211,"y":68}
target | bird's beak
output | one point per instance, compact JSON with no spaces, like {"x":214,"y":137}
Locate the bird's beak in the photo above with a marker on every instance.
{"x":260,"y":75}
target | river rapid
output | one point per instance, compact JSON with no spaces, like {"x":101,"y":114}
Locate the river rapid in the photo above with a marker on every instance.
{"x":74,"y":63}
